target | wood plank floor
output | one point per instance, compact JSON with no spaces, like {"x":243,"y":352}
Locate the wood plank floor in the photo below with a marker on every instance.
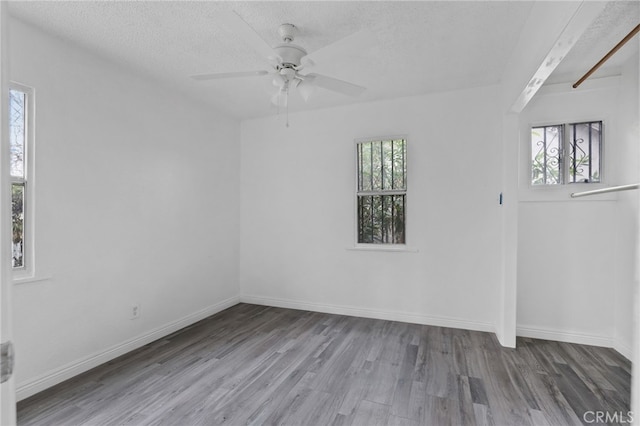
{"x":259,"y":365}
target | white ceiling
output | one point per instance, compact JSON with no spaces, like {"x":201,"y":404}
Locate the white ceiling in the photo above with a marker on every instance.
{"x":419,"y":46}
{"x":614,"y":23}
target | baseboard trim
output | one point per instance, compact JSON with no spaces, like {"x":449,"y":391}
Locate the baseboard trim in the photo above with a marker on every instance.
{"x":355,"y":311}
{"x":565,"y":336}
{"x":58,"y":375}
{"x":623,"y":349}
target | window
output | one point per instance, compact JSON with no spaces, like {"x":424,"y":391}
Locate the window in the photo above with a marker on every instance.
{"x":566,"y":153}
{"x":18,"y":139}
{"x":381,"y":191}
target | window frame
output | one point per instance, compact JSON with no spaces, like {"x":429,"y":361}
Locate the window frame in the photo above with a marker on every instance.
{"x":566,"y":145}
{"x":394,"y":247}
{"x":27,"y":270}
{"x":570,"y":137}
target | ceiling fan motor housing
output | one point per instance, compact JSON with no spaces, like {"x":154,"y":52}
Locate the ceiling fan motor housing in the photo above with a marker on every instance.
{"x":290,"y":53}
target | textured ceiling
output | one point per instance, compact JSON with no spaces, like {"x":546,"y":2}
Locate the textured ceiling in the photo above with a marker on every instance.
{"x":418,"y":47}
{"x":615,"y":22}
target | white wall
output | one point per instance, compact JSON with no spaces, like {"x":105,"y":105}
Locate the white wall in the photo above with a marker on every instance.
{"x":635,"y":373}
{"x":298,"y":195}
{"x":628,"y":210}
{"x":137,"y":201}
{"x":627,"y":303}
{"x":576,"y":256}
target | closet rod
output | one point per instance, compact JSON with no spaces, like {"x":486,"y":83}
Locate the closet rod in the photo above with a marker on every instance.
{"x":605,"y":190}
{"x":608,"y":55}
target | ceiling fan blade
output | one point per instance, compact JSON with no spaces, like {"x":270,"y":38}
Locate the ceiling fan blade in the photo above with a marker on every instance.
{"x":350,"y":45}
{"x":202,"y":77}
{"x":334,"y":84}
{"x":237,"y":26}
{"x":306,"y":62}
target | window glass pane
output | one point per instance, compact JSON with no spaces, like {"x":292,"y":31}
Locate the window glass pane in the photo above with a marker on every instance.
{"x":386,"y":218}
{"x":17,"y":219}
{"x":382,"y":165}
{"x":399,"y":164}
{"x":381,"y":219}
{"x":546,"y":155}
{"x":377,"y":218}
{"x":397,"y":236}
{"x":370,"y":219}
{"x":376,"y":165}
{"x":584,"y":151}
{"x":387,"y":164}
{"x":364,"y":166}
{"x":17,"y":116}
{"x":365,"y":220}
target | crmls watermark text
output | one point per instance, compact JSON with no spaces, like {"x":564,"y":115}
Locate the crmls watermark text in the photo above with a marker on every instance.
{"x":620,"y":417}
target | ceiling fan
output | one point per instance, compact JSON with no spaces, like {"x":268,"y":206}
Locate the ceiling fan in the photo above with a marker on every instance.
{"x":287,"y":59}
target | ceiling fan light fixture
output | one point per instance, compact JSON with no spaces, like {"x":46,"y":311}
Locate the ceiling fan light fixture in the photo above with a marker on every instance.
{"x":306,"y":89}
{"x":279,"y":81}
{"x":287,"y":73}
{"x":281,"y":98}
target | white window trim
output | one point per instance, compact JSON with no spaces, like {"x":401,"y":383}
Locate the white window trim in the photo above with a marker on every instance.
{"x":562,"y":192}
{"x":393,"y":248}
{"x":27,"y":273}
{"x":397,"y":248}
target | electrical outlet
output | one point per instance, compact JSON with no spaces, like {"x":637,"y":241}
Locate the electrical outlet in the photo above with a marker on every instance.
{"x":135,"y":311}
